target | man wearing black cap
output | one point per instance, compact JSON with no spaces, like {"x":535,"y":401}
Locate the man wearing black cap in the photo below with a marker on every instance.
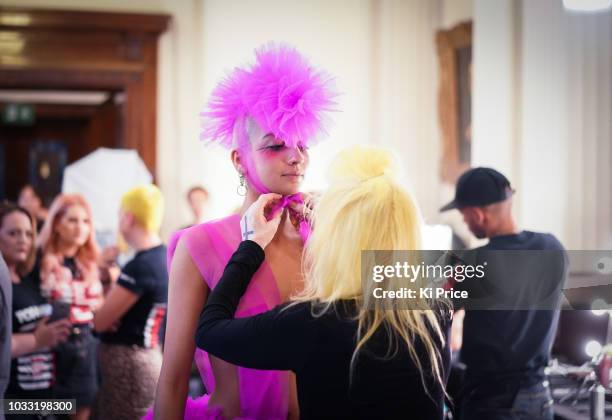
{"x":505,"y":351}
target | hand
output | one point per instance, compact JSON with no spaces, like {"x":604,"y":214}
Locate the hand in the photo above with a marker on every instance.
{"x":109,"y":256}
{"x":49,"y":334}
{"x":254,"y":224}
{"x":306,"y":207}
{"x":107,"y":264}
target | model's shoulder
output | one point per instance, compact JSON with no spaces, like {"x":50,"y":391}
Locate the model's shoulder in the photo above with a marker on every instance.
{"x":228,"y":221}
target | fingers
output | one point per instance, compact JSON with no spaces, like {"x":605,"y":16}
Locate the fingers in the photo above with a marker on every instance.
{"x":265,"y":199}
{"x":259,"y":212}
{"x":273,"y":212}
{"x":255,"y":225}
{"x":109,"y":255}
{"x":305,"y":209}
{"x":269,"y":196}
{"x":43,"y":321}
{"x":61,"y":330}
{"x":297,"y":207}
{"x":264,"y":206}
{"x":61,"y":323}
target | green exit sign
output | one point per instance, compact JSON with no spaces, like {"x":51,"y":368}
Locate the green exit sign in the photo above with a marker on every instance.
{"x":18,"y":114}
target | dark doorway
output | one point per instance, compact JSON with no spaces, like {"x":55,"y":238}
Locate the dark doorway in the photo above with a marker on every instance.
{"x":58,"y":134}
{"x":114,"y":54}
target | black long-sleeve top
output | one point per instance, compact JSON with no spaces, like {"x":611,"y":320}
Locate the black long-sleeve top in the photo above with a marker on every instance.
{"x":319,"y":350}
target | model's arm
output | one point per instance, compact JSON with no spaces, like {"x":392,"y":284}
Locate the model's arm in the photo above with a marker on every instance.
{"x":186,"y":295}
{"x":279,"y":339}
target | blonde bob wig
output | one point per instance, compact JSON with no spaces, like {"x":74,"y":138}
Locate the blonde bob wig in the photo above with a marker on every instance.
{"x":365,"y":208}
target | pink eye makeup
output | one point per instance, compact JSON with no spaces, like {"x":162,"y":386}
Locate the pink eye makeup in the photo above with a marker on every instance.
{"x":272,"y":144}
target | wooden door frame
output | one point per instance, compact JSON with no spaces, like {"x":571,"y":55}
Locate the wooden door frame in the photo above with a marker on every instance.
{"x":448,"y":42}
{"x":129,"y":65}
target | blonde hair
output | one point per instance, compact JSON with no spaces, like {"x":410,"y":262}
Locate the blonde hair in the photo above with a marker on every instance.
{"x":366,"y":209}
{"x":146,"y":203}
{"x":87,"y":255}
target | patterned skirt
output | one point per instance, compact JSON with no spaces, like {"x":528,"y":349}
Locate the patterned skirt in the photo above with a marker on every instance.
{"x":129,"y":379}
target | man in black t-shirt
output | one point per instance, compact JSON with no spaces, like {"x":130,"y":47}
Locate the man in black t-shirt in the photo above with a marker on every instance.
{"x":506,"y":351}
{"x":146,"y":277}
{"x":135,"y":305}
{"x":134,"y":311}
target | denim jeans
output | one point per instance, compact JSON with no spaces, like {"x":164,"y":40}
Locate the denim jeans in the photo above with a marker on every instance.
{"x":532,"y":402}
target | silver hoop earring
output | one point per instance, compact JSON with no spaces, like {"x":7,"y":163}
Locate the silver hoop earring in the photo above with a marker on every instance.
{"x":241,"y":189}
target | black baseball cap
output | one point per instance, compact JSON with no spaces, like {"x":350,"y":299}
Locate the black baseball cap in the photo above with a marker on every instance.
{"x":480,"y":187}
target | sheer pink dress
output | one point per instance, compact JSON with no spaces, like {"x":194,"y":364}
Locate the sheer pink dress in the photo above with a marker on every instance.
{"x":263,"y":394}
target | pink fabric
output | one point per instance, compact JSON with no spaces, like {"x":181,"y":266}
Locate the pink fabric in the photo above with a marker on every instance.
{"x":197,"y":409}
{"x":263,"y":394}
{"x":251,"y":172}
{"x":304,"y":227}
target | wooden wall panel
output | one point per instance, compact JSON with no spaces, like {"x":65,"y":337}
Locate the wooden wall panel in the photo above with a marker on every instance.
{"x":56,"y":49}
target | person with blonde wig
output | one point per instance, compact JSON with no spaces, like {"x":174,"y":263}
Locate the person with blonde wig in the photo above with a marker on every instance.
{"x":134,"y":311}
{"x":351,"y":359}
{"x":69,"y":279}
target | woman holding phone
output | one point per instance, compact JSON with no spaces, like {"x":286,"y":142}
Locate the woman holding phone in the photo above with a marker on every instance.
{"x":34,"y":333}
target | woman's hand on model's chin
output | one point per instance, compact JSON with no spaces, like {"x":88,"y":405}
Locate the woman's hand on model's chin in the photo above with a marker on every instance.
{"x":254,"y":224}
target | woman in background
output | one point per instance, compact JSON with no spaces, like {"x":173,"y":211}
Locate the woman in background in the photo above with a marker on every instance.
{"x":133,"y":312}
{"x":32,"y":365}
{"x":69,"y":279}
{"x":354,"y":357}
{"x":30,"y":200}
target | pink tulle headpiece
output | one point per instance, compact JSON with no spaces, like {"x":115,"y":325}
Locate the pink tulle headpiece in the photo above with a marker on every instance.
{"x":281,"y":92}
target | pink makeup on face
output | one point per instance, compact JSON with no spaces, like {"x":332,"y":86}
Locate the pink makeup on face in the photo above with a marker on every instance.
{"x":270,"y":144}
{"x":272,"y":166}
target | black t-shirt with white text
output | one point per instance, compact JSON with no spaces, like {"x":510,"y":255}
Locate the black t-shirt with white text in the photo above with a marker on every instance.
{"x":32,"y":375}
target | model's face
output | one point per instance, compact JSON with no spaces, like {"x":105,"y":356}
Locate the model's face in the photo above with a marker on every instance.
{"x":74,"y":226}
{"x":29,"y":200}
{"x":16,"y":238}
{"x":274,"y":167}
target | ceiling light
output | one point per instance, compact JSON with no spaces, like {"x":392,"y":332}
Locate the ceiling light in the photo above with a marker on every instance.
{"x":587,"y":5}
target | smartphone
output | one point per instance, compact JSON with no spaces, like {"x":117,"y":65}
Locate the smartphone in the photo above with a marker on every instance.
{"x":61,"y":310}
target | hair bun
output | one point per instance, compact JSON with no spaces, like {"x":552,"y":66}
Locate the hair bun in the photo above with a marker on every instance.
{"x":362,"y":163}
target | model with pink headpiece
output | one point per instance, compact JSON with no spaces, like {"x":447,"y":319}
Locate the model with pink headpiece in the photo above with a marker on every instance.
{"x":268,"y":114}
